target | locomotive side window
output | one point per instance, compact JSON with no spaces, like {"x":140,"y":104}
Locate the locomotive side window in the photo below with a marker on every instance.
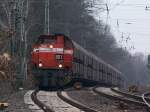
{"x":68,"y":43}
{"x":39,"y":41}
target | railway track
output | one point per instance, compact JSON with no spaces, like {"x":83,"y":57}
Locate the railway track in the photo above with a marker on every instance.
{"x":34,"y":104}
{"x":42,"y":106}
{"x":115,"y":94}
{"x":146,"y":99}
{"x":56,"y":101}
{"x":59,"y":101}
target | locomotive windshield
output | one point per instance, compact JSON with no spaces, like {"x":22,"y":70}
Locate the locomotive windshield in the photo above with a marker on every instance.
{"x":46,"y":40}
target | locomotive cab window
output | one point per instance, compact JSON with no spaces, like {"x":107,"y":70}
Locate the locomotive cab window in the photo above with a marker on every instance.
{"x":46,"y":40}
{"x":49,"y":41}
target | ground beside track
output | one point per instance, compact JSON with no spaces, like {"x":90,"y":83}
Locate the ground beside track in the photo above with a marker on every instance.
{"x":90,"y":99}
{"x":16,"y":102}
{"x":15,"y":98}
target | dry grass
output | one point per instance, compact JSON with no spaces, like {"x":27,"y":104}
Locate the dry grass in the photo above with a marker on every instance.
{"x":6,"y":67}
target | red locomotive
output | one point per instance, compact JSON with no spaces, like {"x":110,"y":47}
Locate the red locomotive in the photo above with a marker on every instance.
{"x":53,"y":52}
{"x":56,"y":59}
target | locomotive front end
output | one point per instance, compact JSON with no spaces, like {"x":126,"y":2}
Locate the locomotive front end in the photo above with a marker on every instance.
{"x":52,"y":59}
{"x":52,"y":52}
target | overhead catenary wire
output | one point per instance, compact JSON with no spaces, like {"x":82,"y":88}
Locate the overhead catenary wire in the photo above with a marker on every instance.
{"x":123,"y":39}
{"x":132,"y":22}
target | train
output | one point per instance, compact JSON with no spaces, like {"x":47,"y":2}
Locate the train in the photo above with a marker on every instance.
{"x":56,"y":60}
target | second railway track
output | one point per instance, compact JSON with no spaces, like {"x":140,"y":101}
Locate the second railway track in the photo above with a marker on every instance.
{"x":115,"y":94}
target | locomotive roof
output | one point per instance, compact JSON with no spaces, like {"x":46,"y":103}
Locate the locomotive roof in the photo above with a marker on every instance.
{"x":45,"y":36}
{"x":94,"y":56}
{"x":49,"y":36}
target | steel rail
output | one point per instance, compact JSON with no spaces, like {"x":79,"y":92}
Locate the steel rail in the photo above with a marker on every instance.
{"x":137,"y":97}
{"x":145,"y":98}
{"x":44,"y":107}
{"x":141,"y":98}
{"x":133,"y":96}
{"x":75,"y":104}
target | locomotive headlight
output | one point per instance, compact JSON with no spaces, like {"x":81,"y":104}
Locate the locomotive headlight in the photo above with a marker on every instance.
{"x":51,"y":46}
{"x":40,"y":64}
{"x":60,"y":65}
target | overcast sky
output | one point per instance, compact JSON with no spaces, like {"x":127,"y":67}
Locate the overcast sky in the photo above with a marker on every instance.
{"x":130,"y":23}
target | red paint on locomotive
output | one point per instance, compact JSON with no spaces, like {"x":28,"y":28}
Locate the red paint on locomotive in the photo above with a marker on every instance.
{"x":52,"y":52}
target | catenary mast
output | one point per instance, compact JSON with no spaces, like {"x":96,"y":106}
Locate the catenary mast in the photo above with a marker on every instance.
{"x":47,"y":17}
